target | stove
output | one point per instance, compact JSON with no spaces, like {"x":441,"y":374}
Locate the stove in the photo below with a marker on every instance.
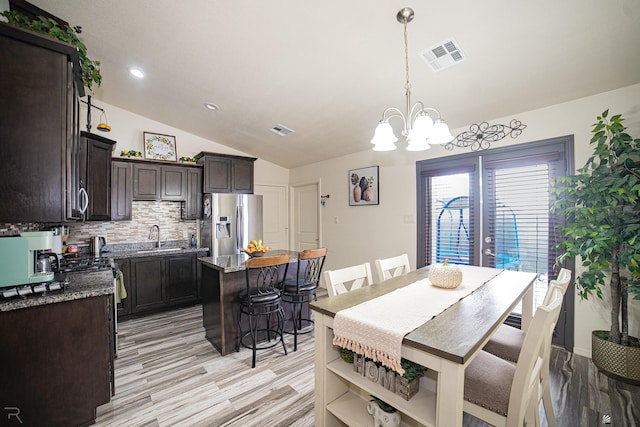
{"x":60,"y":281}
{"x":70,"y":264}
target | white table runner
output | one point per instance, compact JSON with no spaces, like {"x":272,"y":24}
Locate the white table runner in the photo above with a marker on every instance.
{"x":376,"y":328}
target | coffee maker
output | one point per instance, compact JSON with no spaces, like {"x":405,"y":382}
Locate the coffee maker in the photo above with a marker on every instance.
{"x":19,"y":258}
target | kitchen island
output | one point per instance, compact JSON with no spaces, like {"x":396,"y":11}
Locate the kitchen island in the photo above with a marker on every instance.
{"x":223,"y":278}
{"x":56,"y":361}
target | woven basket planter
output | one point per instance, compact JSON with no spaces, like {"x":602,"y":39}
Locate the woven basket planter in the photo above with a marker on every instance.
{"x":616,"y":361}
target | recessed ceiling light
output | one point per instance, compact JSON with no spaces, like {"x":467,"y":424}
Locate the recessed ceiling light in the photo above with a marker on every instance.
{"x":211,"y":106}
{"x":136,"y":72}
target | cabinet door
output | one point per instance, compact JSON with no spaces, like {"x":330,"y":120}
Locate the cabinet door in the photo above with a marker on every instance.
{"x":124,"y":306}
{"x":121,"y":191}
{"x":146,"y":182}
{"x":98,"y":179}
{"x":174,"y":183}
{"x":193,"y":205}
{"x":242,"y":176}
{"x":147,"y":277}
{"x":34,"y":101}
{"x":217,"y":175}
{"x":182,"y":284}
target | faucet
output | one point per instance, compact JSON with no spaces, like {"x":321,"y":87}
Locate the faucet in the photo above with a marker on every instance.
{"x":156,"y":227}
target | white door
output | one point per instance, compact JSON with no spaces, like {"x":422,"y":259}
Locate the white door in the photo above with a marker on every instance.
{"x":275,"y":214}
{"x":305,"y":217}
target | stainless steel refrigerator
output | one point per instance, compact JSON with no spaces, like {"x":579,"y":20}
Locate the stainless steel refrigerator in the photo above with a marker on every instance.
{"x":230,"y":221}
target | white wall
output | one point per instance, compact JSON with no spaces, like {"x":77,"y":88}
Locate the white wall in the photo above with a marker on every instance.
{"x":127,"y":129}
{"x":364,"y":233}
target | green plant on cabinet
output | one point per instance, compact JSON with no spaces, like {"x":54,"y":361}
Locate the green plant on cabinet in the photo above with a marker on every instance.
{"x":90,"y":69}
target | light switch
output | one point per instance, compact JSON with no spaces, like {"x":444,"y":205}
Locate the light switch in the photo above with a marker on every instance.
{"x":336,"y":220}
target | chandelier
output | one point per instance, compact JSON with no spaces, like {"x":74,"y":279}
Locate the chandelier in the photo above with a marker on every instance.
{"x":420,"y":129}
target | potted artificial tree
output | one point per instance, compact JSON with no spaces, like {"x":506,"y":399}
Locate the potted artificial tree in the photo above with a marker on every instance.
{"x":601,"y":204}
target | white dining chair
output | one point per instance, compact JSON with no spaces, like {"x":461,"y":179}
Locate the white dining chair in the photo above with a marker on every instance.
{"x":347,"y":279}
{"x":503,"y":394}
{"x":507,"y":344}
{"x":392,"y":267}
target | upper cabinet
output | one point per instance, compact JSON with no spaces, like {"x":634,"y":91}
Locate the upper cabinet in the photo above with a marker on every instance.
{"x":145,"y":180}
{"x":226,"y":174}
{"x":121,"y":191}
{"x":39,"y":133}
{"x":94,"y":158}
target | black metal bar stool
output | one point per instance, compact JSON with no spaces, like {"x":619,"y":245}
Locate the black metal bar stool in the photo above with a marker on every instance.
{"x":303,"y":289}
{"x":264,"y":276}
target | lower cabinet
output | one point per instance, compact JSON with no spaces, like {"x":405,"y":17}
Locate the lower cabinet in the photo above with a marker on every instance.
{"x":147,"y":279}
{"x":56,"y":362}
{"x":182,"y":283}
{"x":158,"y":282}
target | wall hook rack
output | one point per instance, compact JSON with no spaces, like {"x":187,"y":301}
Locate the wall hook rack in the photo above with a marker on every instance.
{"x":323,"y":199}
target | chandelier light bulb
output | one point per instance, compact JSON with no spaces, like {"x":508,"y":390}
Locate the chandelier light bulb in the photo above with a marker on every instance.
{"x":384,"y":139}
{"x":418,"y":124}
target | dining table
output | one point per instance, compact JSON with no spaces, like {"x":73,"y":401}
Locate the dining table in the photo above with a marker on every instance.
{"x":444,"y":344}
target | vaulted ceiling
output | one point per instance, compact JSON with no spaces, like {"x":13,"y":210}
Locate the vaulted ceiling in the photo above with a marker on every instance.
{"x":327,"y":69}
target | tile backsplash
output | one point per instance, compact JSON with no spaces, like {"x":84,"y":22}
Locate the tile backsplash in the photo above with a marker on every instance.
{"x":145,"y":214}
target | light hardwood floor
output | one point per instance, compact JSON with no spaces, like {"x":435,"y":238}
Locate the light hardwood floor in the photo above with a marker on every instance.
{"x":167,"y":374}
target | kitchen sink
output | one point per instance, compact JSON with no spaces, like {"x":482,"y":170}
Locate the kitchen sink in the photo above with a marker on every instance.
{"x":148,"y":251}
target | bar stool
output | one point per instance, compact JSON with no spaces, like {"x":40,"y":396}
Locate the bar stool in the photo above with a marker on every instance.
{"x":261,"y":299}
{"x":302,"y":290}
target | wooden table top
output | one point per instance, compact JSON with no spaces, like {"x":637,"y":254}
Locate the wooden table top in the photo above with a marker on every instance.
{"x":456,"y":333}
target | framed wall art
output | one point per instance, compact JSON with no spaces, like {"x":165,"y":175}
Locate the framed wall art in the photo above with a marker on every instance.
{"x":160,"y":147}
{"x":364,"y":186}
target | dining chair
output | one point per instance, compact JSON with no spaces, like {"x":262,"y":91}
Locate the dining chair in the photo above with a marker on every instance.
{"x":300,"y":291}
{"x":260,"y":300}
{"x":503,"y":394}
{"x":355,"y":277}
{"x":507,"y":343}
{"x":392,"y":267}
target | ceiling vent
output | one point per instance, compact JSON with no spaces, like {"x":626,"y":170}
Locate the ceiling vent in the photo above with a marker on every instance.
{"x":443,"y":56}
{"x":281,"y":130}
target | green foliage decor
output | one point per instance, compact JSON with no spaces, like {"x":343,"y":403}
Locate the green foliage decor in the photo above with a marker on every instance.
{"x":90,"y":69}
{"x":412,"y":370}
{"x":601,"y":204}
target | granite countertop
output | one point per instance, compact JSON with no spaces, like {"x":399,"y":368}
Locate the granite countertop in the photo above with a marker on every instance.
{"x":81,"y":285}
{"x":231,"y":263}
{"x":135,"y":253}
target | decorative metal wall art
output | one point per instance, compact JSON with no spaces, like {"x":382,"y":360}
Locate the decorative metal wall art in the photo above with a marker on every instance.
{"x":480,"y":136}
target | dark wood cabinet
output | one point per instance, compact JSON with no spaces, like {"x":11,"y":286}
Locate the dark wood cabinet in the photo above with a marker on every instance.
{"x":242,"y":176}
{"x":39,"y":115}
{"x":192,"y":207}
{"x":159,"y":282}
{"x":159,"y":182}
{"x":182,"y":283}
{"x":147,"y":283}
{"x":174,"y":183}
{"x":147,"y":182}
{"x":226,"y":174}
{"x":121,"y":191}
{"x":95,"y":175}
{"x":57,"y":361}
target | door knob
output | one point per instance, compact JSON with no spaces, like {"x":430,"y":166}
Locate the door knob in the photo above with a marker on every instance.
{"x":488,"y":252}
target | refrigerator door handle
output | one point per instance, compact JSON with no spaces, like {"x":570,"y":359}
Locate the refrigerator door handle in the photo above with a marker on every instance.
{"x":239,"y":236}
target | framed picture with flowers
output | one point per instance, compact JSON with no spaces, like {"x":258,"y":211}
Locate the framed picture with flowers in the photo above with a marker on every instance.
{"x":363,"y":186}
{"x":160,"y":147}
